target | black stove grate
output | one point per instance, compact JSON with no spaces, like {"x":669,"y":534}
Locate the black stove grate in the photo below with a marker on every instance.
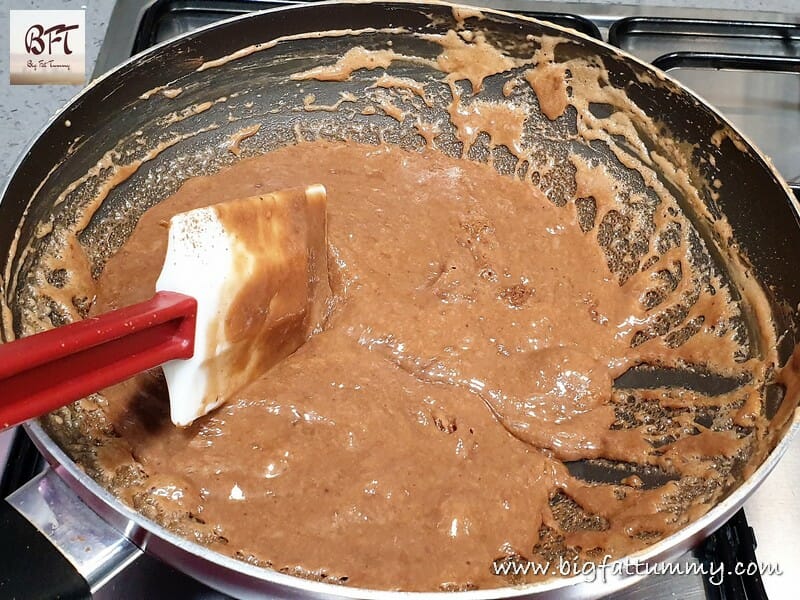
{"x":778,"y":45}
{"x":733,"y":543}
{"x":739,"y":62}
{"x":167,"y":18}
{"x":24,"y":461}
{"x":787,"y":34}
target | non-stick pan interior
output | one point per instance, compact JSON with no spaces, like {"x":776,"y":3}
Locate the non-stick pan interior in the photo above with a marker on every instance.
{"x":122,"y":147}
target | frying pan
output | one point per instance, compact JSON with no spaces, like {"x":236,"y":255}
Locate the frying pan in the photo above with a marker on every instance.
{"x":118,"y":119}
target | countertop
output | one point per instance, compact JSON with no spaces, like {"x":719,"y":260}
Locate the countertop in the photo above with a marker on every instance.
{"x":24,"y":109}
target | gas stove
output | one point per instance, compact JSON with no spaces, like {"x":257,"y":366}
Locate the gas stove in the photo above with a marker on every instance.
{"x":745,"y":64}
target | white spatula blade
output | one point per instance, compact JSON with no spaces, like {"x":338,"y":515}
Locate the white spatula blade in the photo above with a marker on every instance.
{"x":258,"y":270}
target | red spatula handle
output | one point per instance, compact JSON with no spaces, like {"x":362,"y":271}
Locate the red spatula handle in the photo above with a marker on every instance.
{"x":49,"y":370}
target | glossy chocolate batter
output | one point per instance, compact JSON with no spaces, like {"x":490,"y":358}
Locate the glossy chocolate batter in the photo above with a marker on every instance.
{"x":468,"y":352}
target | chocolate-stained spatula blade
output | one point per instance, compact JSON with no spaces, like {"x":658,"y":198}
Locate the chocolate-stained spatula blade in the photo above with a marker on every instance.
{"x":258,"y":269}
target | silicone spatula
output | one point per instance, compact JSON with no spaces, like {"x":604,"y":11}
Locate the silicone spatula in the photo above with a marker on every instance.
{"x":244,"y":284}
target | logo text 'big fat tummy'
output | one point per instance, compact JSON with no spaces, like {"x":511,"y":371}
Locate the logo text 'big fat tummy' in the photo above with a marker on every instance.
{"x":48,"y":46}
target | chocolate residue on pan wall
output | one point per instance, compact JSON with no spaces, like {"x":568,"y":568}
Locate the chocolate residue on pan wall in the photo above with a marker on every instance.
{"x":234,"y":146}
{"x":164,"y":90}
{"x":506,"y":301}
{"x":244,"y":52}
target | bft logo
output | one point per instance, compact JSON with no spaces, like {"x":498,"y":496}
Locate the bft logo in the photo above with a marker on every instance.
{"x":58,"y":34}
{"x":48,"y":46}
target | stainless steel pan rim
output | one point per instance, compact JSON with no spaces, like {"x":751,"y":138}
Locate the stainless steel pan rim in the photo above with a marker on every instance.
{"x":234,"y":576}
